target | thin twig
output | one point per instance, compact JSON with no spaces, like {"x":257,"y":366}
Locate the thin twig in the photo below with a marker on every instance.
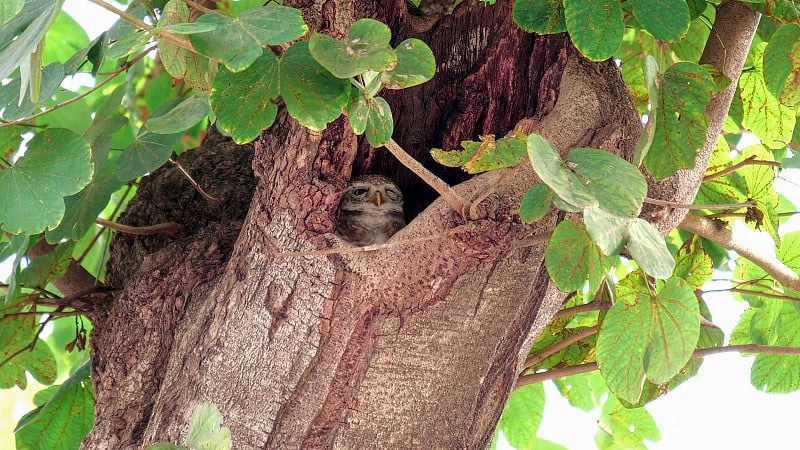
{"x":200,"y":7}
{"x":586,"y":307}
{"x":654,"y":201}
{"x":194,"y":183}
{"x":708,"y":229}
{"x":558,"y":346}
{"x":124,"y":67}
{"x":168,"y":227}
{"x":539,"y":377}
{"x":97,"y":235}
{"x":169,"y":37}
{"x":749,"y":161}
{"x":369,"y":248}
{"x":447,"y":193}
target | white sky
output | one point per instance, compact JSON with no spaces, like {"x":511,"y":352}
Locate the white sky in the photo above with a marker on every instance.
{"x":719,"y":409}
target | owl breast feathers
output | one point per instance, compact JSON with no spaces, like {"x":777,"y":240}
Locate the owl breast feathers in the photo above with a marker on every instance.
{"x":370,"y":211}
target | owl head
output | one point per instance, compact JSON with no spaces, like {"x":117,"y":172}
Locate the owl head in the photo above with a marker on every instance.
{"x":370,"y":211}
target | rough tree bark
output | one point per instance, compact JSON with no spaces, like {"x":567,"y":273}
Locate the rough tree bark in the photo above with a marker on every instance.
{"x":412,"y":346}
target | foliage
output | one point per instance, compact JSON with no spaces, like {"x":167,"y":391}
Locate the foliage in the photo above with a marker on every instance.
{"x":205,"y":432}
{"x":69,"y":157}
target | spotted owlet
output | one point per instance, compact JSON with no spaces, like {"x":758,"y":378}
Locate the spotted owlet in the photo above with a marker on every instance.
{"x":371,"y":211}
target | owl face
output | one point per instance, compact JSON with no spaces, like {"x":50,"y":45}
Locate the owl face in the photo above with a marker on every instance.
{"x":371,"y":211}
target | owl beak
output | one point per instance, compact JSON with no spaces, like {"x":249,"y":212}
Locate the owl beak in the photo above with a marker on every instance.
{"x":378,"y":199}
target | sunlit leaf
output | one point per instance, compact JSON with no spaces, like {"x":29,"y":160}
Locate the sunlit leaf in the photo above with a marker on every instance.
{"x":415,"y":65}
{"x":32,"y":191}
{"x":620,"y":427}
{"x":666,"y":20}
{"x":522,"y":415}
{"x":647,"y":334}
{"x":206,"y":431}
{"x":312,"y":95}
{"x":780,"y":373}
{"x":551,"y":169}
{"x":540,"y":16}
{"x":617,"y":185}
{"x":64,"y":415}
{"x":535,"y":203}
{"x":686,"y":89}
{"x":649,"y":249}
{"x":366,"y":48}
{"x":782,"y":64}
{"x":595,"y":26}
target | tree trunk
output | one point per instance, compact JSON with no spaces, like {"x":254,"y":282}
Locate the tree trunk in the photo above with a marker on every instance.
{"x":417,"y":345}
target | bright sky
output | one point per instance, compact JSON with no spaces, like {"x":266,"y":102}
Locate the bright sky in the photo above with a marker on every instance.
{"x":719,"y":409}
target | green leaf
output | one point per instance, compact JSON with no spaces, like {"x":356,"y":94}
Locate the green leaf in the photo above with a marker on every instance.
{"x":540,"y":16}
{"x":180,"y":118}
{"x":380,"y":124}
{"x":10,"y":105}
{"x":16,"y":50}
{"x":763,"y":114}
{"x":205,"y":430}
{"x":242,"y":102}
{"x":617,"y":185}
{"x":551,"y":169}
{"x":780,"y":373}
{"x":571,"y":258}
{"x":82,"y":209}
{"x":237,"y":42}
{"x":759,"y":181}
{"x":166,"y":446}
{"x":45,"y":268}
{"x":358,"y":111}
{"x":127,"y":46}
{"x":9,"y":9}
{"x":489,"y":154}
{"x":312,"y":95}
{"x":686,"y":89}
{"x":649,"y":249}
{"x":782,"y":64}
{"x":17,"y":333}
{"x":595,"y":26}
{"x":624,"y":428}
{"x":32,"y":191}
{"x":147,"y":153}
{"x":63,"y":419}
{"x":366,"y":48}
{"x":535,"y":203}
{"x":608,"y":231}
{"x":666,"y":20}
{"x":522,"y":415}
{"x":182,"y":64}
{"x":415,"y":65}
{"x":693,"y":264}
{"x":647,"y":334}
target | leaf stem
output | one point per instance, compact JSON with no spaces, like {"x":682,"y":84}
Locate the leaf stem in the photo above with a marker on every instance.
{"x":654,"y":201}
{"x":167,"y":36}
{"x":539,"y":377}
{"x":749,"y":161}
{"x":558,"y":346}
{"x":113,"y":74}
{"x":168,"y":227}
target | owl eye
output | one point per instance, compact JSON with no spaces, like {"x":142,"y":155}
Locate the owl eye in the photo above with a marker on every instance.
{"x":392,"y":194}
{"x":360,"y":192}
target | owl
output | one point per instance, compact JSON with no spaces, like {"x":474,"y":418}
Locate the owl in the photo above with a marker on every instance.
{"x":370,"y":211}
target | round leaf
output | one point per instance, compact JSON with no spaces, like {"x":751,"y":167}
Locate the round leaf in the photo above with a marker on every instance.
{"x":32,"y":191}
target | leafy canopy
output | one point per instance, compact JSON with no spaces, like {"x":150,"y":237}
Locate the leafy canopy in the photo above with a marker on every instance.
{"x":69,"y":156}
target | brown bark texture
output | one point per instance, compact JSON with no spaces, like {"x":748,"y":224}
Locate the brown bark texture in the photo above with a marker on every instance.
{"x":416,"y":345}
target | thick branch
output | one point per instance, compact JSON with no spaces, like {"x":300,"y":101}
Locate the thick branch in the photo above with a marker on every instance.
{"x":726,"y":50}
{"x":724,"y":237}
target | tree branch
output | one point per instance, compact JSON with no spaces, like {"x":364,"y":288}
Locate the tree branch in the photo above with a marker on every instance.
{"x":539,"y":377}
{"x":749,"y":161}
{"x":558,"y":346}
{"x":447,"y":193}
{"x":708,"y":229}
